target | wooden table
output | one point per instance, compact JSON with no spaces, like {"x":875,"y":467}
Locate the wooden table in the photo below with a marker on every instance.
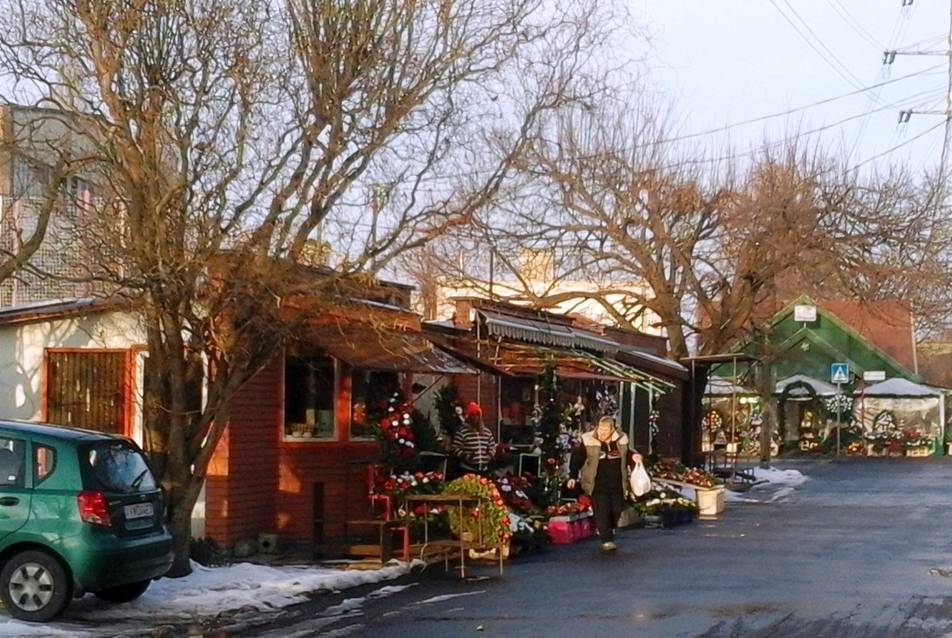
{"x":465,"y":502}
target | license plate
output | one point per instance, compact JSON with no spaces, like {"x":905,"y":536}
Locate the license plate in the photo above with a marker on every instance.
{"x":139,"y":510}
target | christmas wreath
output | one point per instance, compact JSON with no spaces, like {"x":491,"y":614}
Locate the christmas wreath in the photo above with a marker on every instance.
{"x":490,"y":516}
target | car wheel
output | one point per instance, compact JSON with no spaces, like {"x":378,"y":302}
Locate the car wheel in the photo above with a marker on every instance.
{"x":123,"y":593}
{"x":34,"y":586}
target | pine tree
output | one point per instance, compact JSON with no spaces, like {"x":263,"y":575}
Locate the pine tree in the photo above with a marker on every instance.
{"x":549,"y":424}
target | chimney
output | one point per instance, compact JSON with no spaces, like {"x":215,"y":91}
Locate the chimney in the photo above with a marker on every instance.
{"x":463,"y":316}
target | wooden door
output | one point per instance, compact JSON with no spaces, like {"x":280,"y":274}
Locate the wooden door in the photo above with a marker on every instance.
{"x":88,"y":389}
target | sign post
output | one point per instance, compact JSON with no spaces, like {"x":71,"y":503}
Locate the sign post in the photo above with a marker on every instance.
{"x":839,"y":374}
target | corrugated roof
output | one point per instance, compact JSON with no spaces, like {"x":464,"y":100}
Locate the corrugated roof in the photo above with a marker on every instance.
{"x":43,"y":310}
{"x":373,"y":347}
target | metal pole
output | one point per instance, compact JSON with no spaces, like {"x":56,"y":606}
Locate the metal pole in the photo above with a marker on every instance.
{"x":839,"y":402}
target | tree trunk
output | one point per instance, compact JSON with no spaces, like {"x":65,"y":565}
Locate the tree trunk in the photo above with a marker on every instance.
{"x":180,"y":522}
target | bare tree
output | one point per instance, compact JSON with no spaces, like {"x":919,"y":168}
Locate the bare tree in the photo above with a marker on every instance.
{"x":717,"y":247}
{"x":240,"y":138}
{"x":713,"y":249}
{"x":41,"y":183}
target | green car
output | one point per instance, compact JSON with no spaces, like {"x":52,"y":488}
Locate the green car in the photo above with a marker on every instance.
{"x":80,"y":511}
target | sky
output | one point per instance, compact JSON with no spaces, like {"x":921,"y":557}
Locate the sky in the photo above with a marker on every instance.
{"x":210,"y":591}
{"x":816,"y":64}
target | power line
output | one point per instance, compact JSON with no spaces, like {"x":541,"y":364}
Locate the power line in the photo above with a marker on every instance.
{"x":855,"y":81}
{"x":897,"y":146}
{"x":798,"y":135}
{"x":804,"y":108}
{"x":853,"y":23}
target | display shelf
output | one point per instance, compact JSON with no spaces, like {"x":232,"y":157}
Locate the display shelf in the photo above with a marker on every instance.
{"x":451,"y":548}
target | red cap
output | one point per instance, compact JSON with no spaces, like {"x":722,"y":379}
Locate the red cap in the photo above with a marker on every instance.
{"x":473,"y":409}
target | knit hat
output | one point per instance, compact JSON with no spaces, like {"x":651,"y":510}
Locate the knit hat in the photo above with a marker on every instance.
{"x":473,"y":409}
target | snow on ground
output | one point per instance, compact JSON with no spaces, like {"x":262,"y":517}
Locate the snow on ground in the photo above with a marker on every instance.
{"x":771,"y":485}
{"x":210,"y":591}
{"x":206,"y":592}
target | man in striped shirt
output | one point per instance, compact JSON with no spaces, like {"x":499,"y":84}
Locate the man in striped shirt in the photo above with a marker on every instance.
{"x":474,"y":445}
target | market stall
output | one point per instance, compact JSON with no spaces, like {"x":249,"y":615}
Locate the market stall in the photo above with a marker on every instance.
{"x":897,"y":417}
{"x":803,"y":410}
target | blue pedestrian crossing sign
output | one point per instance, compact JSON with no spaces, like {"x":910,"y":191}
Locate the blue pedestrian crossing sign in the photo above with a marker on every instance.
{"x":840,"y":373}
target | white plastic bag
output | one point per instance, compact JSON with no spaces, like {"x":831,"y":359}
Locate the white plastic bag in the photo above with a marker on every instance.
{"x":639,"y":479}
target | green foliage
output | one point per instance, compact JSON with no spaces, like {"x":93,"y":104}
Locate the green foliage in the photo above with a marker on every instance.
{"x":423,"y":432}
{"x":491,"y":516}
{"x":549,"y":420}
{"x":449,"y":408}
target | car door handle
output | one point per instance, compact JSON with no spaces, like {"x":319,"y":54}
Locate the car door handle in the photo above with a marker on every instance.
{"x":9,"y":500}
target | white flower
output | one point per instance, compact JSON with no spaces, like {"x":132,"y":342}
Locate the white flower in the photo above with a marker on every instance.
{"x":505,"y":487}
{"x":459,"y":410}
{"x":426,"y":480}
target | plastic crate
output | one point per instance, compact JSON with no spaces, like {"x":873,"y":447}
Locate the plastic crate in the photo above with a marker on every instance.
{"x":561,"y":532}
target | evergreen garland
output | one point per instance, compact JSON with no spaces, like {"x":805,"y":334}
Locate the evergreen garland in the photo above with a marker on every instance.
{"x":549,"y":423}
{"x":449,"y":408}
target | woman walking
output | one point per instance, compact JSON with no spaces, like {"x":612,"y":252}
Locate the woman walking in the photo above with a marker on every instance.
{"x":601,"y":464}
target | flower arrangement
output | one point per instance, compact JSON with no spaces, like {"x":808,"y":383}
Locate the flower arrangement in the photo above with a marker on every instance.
{"x":654,"y":418}
{"x":569,"y":508}
{"x":573,"y":415}
{"x":489,"y":520}
{"x":513,"y":490}
{"x":568,"y":441}
{"x":397,"y":487}
{"x":659,"y":501}
{"x":402,"y":430}
{"x":712,"y":420}
{"x":884,"y":422}
{"x":839,"y":405}
{"x":395,"y":428}
{"x":674,"y":471}
{"x":606,"y":402}
{"x":855,"y":447}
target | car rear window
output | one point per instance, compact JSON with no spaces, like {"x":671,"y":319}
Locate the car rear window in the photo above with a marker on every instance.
{"x":118,"y":466}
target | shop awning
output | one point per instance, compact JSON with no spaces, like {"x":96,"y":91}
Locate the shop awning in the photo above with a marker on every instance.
{"x":371,"y":347}
{"x":628,"y":373}
{"x":544,"y":333}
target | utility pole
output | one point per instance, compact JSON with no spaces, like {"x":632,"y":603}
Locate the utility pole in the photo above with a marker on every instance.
{"x":904,"y":116}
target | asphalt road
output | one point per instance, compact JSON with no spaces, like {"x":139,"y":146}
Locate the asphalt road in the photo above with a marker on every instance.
{"x":861,"y":550}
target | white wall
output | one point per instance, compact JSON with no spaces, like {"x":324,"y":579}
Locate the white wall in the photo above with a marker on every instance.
{"x":21,"y":357}
{"x":21,"y":367}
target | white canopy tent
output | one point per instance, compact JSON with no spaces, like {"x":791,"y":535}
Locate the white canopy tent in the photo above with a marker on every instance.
{"x":914,"y":404}
{"x":820,"y":388}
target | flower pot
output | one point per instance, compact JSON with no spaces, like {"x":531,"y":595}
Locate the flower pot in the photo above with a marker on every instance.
{"x":710,"y":501}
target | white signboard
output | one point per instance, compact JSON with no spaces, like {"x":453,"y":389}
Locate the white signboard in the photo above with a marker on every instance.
{"x":804,"y":313}
{"x":874,"y":375}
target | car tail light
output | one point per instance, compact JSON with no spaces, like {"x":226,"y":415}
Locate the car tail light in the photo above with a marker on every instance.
{"x":93,"y":508}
